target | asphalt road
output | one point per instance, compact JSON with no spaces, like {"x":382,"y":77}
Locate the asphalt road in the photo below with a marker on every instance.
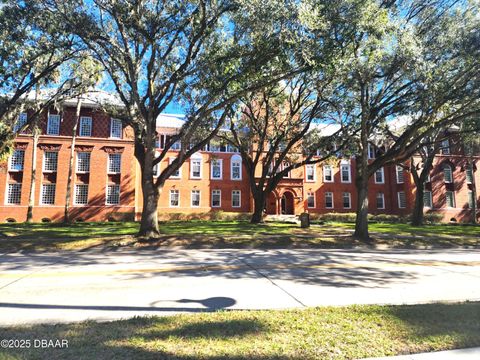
{"x":73,"y":286}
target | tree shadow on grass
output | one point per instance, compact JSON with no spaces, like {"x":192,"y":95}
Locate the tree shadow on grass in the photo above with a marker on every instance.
{"x":141,"y":338}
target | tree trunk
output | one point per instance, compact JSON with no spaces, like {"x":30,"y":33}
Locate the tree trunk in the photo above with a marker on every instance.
{"x":66,"y":217}
{"x":149,"y":223}
{"x":151,"y":193}
{"x":361,"y":221}
{"x":258,"y":207}
{"x":417,"y":215}
{"x":33,"y":177}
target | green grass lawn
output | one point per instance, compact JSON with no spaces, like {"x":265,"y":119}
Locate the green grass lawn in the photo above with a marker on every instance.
{"x":199,"y":233}
{"x":315,"y":333}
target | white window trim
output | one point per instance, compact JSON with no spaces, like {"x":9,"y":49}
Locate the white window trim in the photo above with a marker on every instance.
{"x":331,"y":168}
{"x":397,"y":168}
{"x":44,"y":162}
{"x":112,"y":121}
{"x":220,"y":161}
{"x":75,"y":195}
{"x":451,"y":174}
{"x":170,"y":160}
{"x":234,"y":160}
{"x":199,"y":199}
{"x":191,"y":168}
{"x":82,"y":119}
{"x":22,"y":120}
{"x":170,"y":198}
{"x":314,"y":200}
{"x":314,"y":173}
{"x":349,"y":200}
{"x":349,"y":174}
{"x":383,"y":201}
{"x":76,"y":162}
{"x":370,"y":149}
{"x":431,"y":200}
{"x":239,"y":199}
{"x":383,"y":176}
{"x":399,"y":203}
{"x":211,"y":200}
{"x":6,"y":194}
{"x":41,"y":195}
{"x":108,"y":164}
{"x":333,"y":200}
{"x":53,"y":116}
{"x":10,"y":162}
{"x":119,"y":195}
{"x":453,"y":198}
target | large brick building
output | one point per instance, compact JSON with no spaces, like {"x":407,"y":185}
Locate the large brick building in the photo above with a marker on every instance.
{"x":106,"y":181}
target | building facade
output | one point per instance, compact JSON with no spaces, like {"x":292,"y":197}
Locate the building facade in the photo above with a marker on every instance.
{"x":106,"y":178}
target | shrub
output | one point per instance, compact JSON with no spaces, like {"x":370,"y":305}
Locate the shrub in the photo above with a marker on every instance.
{"x":10,"y":220}
{"x":208,"y":215}
{"x":46,"y":220}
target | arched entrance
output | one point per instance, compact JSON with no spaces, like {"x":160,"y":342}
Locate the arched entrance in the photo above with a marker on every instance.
{"x":287,"y":203}
{"x":271,"y":204}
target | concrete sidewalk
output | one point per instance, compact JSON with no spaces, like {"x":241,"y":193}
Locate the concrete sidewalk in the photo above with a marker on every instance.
{"x":461,"y":354}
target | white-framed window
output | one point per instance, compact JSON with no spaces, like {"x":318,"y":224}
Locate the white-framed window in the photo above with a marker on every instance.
{"x":380,"y":200}
{"x":400,"y":174}
{"x":471,"y":199}
{"x":311,"y":199}
{"x":445,"y":149}
{"x":178,"y":173}
{"x":174,"y":198}
{"x":81,"y":194}
{"x":53,"y":125}
{"x":48,"y":194}
{"x":285,"y":165}
{"x":327,"y":173}
{"x":469,"y":174}
{"x":310,"y":172}
{"x":195,"y":198}
{"x":21,"y":121}
{"x":14,"y":194}
{"x":17,"y":160}
{"x":380,"y":176}
{"x":236,"y":198}
{"x":113,"y":194}
{"x":195,"y":168}
{"x":216,"y":167}
{"x":114,"y":163}
{"x":427,"y":199}
{"x":236,"y":167}
{"x":216,"y":198}
{"x":449,"y":199}
{"x":329,"y":200}
{"x":345,"y":171}
{"x":50,"y":161}
{"x":402,"y":200}
{"x":116,"y":128}
{"x":371,"y":151}
{"x":83,"y":162}
{"x":447,"y":174}
{"x":85,"y":126}
{"x":347,"y":200}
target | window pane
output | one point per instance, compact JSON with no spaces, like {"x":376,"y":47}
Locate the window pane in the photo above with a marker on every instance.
{"x":113,"y":194}
{"x":174,"y":198}
{"x":329,"y":200}
{"x":114,"y":163}
{"x":195,"y":198}
{"x":216,"y":198}
{"x":81,"y":194}
{"x":85,"y":126}
{"x":48,"y":194}
{"x":17,"y":160}
{"x":236,"y":198}
{"x":346,"y":200}
{"x":427,"y":199}
{"x":311,"y":200}
{"x":402,"y":201}
{"x":14,"y":193}
{"x":380,"y":201}
{"x":83,"y":162}
{"x":50,"y":159}
{"x":116,"y":128}
{"x":53,"y":125}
